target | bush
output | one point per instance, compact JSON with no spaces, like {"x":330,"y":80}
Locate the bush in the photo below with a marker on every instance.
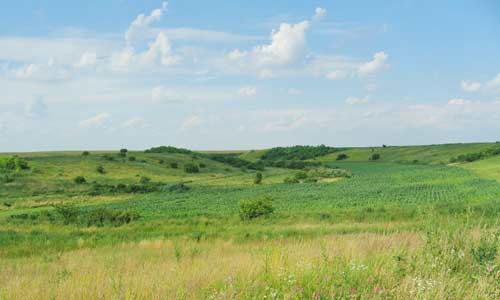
{"x":174,"y":165}
{"x":100,"y":170}
{"x":168,"y":149}
{"x":258,"y":178}
{"x":297,"y":152}
{"x":179,"y":187}
{"x":202,"y":165}
{"x":290,"y":180}
{"x":342,"y":156}
{"x":375,"y":156}
{"x":300,"y":175}
{"x":97,"y":217}
{"x":145,"y":180}
{"x":131,"y":158}
{"x":108,"y":157}
{"x":251,"y":209}
{"x":14,"y":163}
{"x":85,"y":153}
{"x":191,"y":168}
{"x":79,"y":180}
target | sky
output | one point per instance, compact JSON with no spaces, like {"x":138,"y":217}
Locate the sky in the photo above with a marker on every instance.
{"x":211,"y":75}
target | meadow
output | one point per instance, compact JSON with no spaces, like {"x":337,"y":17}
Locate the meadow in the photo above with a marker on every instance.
{"x":413,"y":222}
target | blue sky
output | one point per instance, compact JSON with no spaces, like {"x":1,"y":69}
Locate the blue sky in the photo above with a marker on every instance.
{"x":247,"y":74}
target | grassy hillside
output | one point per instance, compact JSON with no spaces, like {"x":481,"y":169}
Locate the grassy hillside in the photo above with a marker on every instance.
{"x":352,"y":228}
{"x":428,"y":154}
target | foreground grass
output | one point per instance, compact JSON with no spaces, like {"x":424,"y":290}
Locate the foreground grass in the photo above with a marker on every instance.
{"x":403,"y":265}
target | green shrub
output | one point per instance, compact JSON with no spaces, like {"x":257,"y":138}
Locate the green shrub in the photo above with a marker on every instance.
{"x":258,"y":178}
{"x":191,"y":168}
{"x":79,"y":180}
{"x":290,"y":180}
{"x":131,"y":158}
{"x":145,"y":180}
{"x":174,"y":165}
{"x":342,"y":156}
{"x":251,"y":209}
{"x":85,"y":153}
{"x":300,"y":175}
{"x":179,"y":187}
{"x":375,"y":156}
{"x":100,"y":169}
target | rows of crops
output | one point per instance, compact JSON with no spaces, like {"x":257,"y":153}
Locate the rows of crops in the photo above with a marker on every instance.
{"x":373,"y":185}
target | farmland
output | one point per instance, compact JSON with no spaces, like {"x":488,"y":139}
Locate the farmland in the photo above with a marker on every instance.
{"x":167,"y":224}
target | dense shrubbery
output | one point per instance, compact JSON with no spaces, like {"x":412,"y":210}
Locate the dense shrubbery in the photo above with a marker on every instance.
{"x":375,"y":156}
{"x":236,"y":162}
{"x":470,"y":157}
{"x":168,"y":149}
{"x":297,"y":152}
{"x":122,"y":188}
{"x":316,"y":174}
{"x":251,"y":209}
{"x":68,"y":214}
{"x":13,"y":163}
{"x":191,"y":168}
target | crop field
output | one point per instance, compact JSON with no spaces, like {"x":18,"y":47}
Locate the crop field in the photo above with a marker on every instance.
{"x":283,"y":223}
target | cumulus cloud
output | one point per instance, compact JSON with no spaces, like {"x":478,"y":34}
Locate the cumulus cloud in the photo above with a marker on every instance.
{"x":247,"y":91}
{"x":142,"y":22}
{"x":163,"y":94}
{"x":319,"y":14}
{"x":43,"y":72}
{"x":95,"y":121}
{"x":494,"y":84}
{"x":377,"y":64}
{"x":88,"y":59}
{"x":36,"y":108}
{"x":357,"y":100}
{"x":161,"y":49}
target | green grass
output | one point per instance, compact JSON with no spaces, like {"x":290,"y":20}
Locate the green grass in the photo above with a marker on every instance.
{"x":408,"y":219}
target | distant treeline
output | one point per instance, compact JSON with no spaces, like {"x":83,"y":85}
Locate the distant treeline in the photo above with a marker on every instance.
{"x":470,"y":157}
{"x":168,"y":149}
{"x":297,"y":152}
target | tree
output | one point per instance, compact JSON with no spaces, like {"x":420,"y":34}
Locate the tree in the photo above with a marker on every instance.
{"x":375,"y":156}
{"x":258,"y":178}
{"x":85,"y":153}
{"x":123,"y":152}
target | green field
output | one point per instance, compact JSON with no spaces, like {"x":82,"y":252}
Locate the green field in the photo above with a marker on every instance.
{"x":408,"y":225}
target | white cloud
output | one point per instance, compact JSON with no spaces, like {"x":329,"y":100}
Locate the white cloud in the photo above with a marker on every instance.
{"x":494,"y":84}
{"x":134,"y":123}
{"x":356,"y":100}
{"x":142,"y":22}
{"x":338,"y":74}
{"x":43,"y":72}
{"x":377,"y":64}
{"x":88,"y":59}
{"x":294,"y":91}
{"x":319,"y":14}
{"x":458,"y":102}
{"x":236,"y":54}
{"x":468,"y":86}
{"x":287,"y":45}
{"x":247,"y":91}
{"x":36,"y":108}
{"x":192,"y":122}
{"x":266,"y":74}
{"x":161,"y":49}
{"x":95,"y":121}
{"x":163,"y":94}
